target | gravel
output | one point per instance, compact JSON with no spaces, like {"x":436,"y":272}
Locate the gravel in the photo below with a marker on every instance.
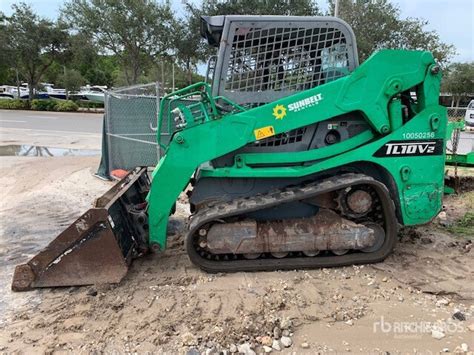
{"x":286,"y":341}
{"x":276,"y":345}
{"x":246,"y":349}
{"x":437,"y":334}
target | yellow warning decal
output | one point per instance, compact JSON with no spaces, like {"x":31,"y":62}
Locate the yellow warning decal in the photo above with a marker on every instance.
{"x":264,"y":132}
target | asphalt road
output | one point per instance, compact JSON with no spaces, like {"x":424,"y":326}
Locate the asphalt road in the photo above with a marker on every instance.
{"x":53,"y":122}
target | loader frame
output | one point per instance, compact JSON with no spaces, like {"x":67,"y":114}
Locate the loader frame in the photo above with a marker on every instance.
{"x":204,"y":132}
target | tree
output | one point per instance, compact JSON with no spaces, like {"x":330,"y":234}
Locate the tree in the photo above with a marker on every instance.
{"x":133,"y":30}
{"x":188,"y":46}
{"x":83,"y":56}
{"x":6,"y":62}
{"x":261,"y":7}
{"x":33,"y":43}
{"x":458,"y":80}
{"x":377,"y":25}
{"x":71,"y":80}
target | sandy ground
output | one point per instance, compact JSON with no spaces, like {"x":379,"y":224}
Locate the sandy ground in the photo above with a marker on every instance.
{"x":424,"y":291}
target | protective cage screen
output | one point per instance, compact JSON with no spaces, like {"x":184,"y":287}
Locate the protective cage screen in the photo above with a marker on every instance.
{"x":285,"y":59}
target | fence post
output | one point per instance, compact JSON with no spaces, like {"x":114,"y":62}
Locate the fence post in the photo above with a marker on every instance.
{"x":107,"y":132}
{"x":157,"y":114}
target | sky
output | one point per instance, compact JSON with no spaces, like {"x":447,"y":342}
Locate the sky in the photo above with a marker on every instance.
{"x":452,"y":19}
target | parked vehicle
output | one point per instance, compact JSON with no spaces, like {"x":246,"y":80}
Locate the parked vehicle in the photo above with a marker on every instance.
{"x":94,"y":93}
{"x":58,"y":94}
{"x":5,"y":94}
{"x":11,"y":92}
{"x":25,"y":93}
{"x":469,"y":116}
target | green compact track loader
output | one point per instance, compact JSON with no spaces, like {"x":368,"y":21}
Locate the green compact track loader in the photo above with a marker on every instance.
{"x":294,"y":156}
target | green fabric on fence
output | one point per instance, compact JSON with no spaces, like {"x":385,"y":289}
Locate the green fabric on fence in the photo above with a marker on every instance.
{"x":104,"y":168}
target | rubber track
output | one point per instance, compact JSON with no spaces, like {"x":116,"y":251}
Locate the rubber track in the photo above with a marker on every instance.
{"x":239,"y":206}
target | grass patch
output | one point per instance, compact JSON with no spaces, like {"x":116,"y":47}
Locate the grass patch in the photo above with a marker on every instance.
{"x":465,"y":226}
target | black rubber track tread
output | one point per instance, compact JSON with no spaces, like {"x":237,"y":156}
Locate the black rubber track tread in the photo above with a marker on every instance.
{"x":271,"y":199}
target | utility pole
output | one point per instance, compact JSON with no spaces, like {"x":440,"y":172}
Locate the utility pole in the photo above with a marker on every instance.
{"x":17,"y":83}
{"x":173,"y":77}
{"x":163,"y":76}
{"x":336,"y":8}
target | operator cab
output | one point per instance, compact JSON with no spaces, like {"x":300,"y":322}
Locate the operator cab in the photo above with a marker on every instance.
{"x":264,"y":58}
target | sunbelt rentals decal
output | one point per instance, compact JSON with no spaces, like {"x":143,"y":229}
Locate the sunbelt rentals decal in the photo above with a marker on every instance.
{"x":280,"y":111}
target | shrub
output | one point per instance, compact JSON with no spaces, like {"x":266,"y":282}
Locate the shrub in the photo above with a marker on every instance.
{"x":40,"y":105}
{"x":89,"y":104}
{"x":14,"y":104}
{"x":66,"y":106}
{"x":43,"y":105}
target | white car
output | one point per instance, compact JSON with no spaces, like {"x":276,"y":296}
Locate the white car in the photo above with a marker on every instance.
{"x":469,"y":117}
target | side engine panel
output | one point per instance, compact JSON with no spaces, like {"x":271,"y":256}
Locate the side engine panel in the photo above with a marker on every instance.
{"x":318,"y":135}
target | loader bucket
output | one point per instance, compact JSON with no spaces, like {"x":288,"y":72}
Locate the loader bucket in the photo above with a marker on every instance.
{"x":98,"y":247}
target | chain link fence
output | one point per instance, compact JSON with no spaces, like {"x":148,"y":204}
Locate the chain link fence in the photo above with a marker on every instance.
{"x":456,"y":113}
{"x":129,"y":137}
{"x":129,"y":131}
{"x":460,"y":142}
